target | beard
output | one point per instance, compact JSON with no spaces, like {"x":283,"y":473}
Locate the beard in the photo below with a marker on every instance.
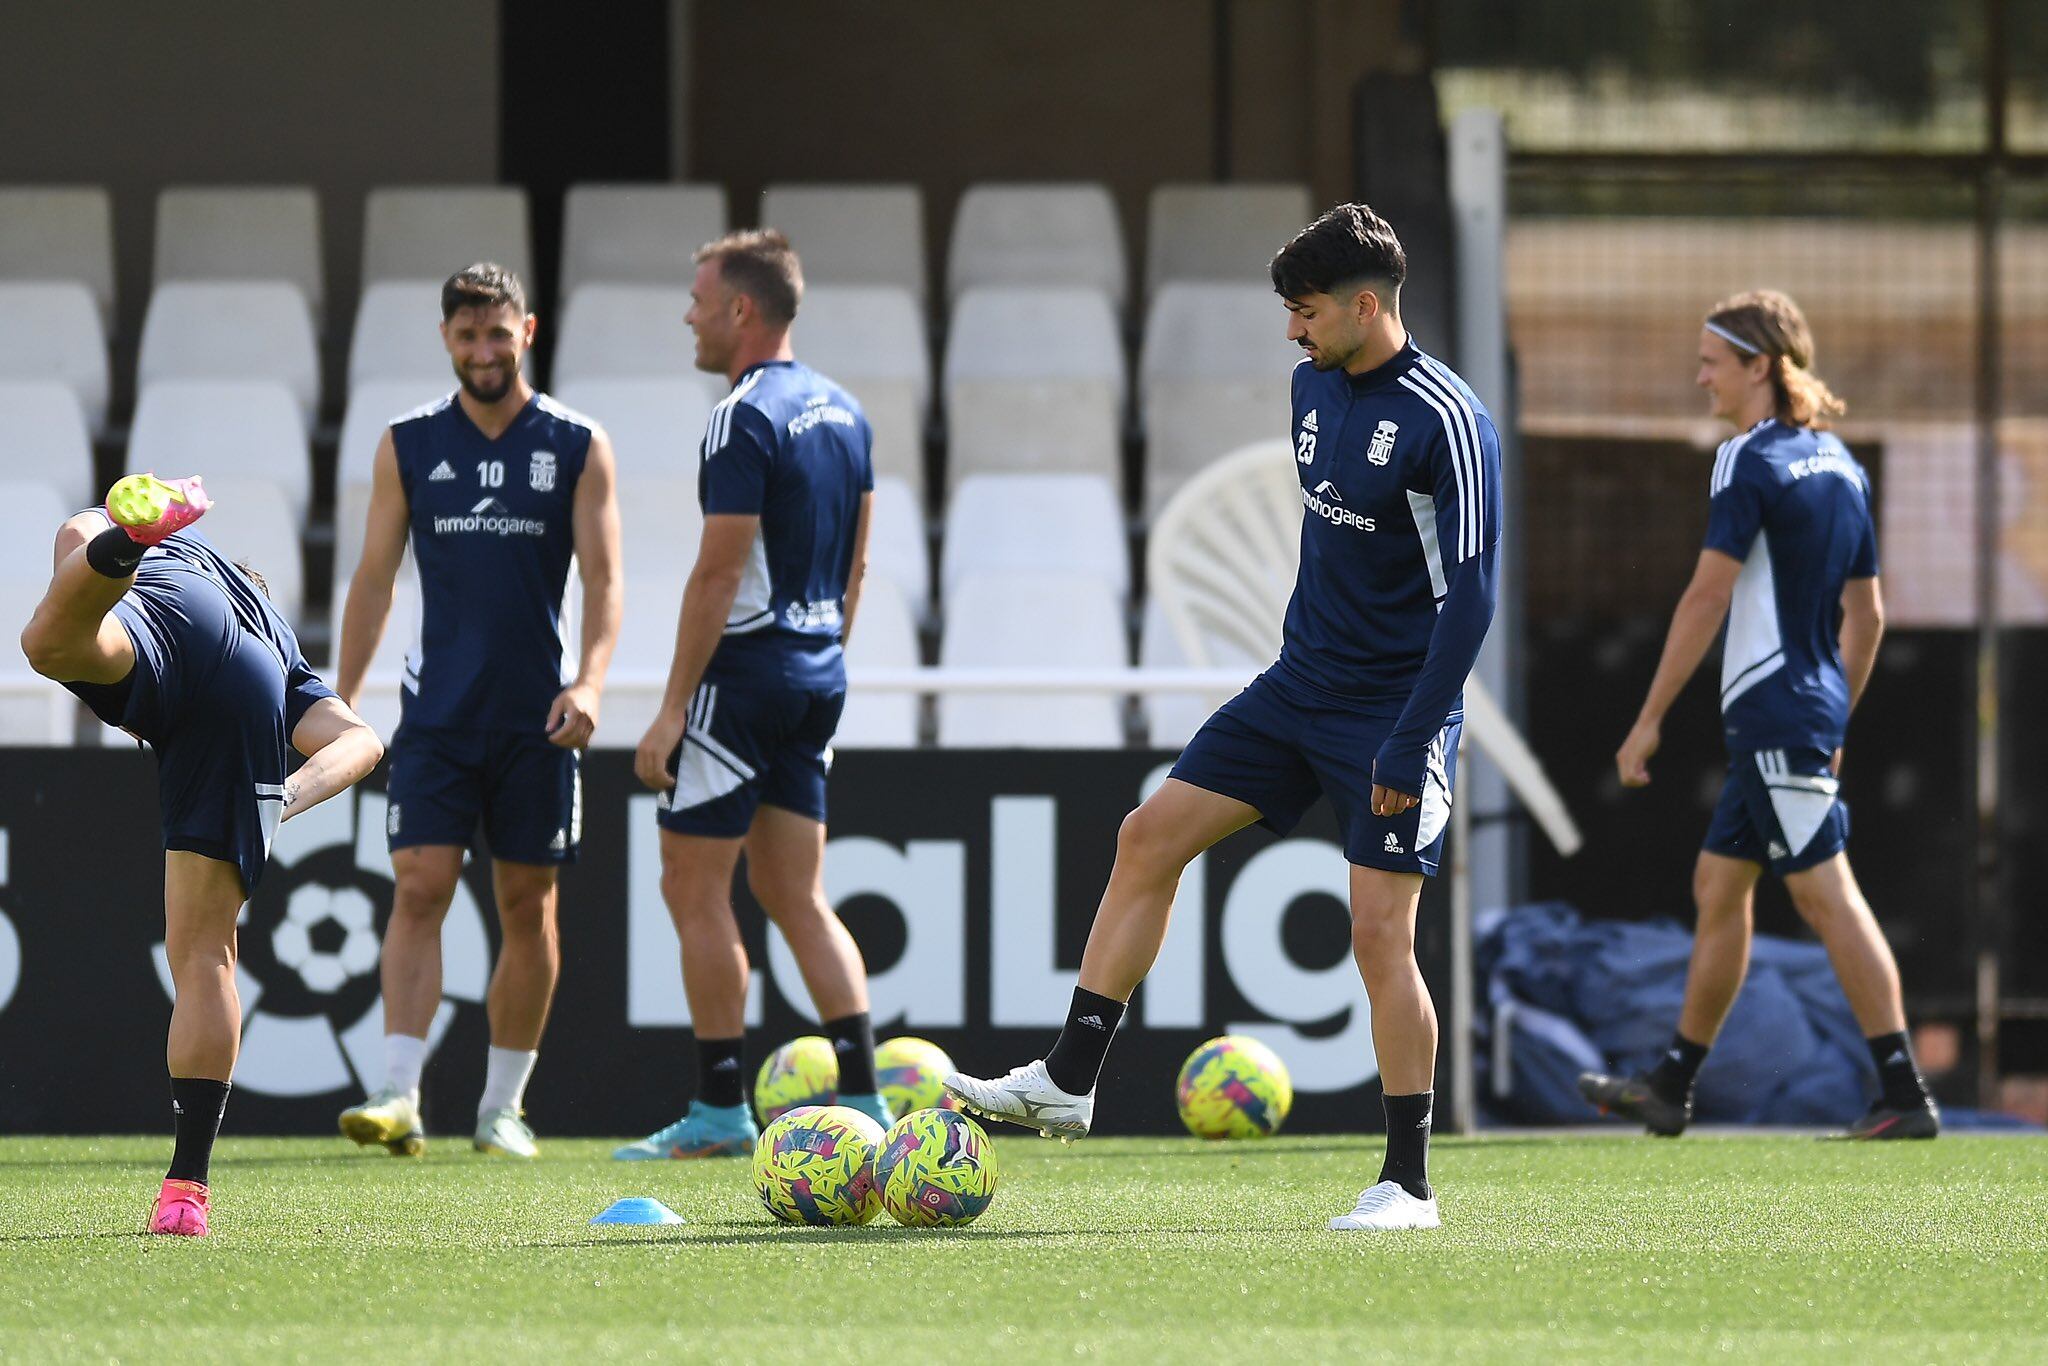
{"x":481,"y":393}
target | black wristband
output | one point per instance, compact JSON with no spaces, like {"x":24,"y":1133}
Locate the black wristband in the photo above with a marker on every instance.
{"x":114,"y":553}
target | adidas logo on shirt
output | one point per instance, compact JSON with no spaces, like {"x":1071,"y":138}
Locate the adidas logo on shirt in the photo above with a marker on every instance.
{"x":442,"y":471}
{"x":1308,"y":423}
{"x":560,"y":842}
{"x":1394,"y":844}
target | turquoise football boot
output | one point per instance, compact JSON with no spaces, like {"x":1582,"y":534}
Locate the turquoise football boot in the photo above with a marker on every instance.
{"x":871,"y":1105}
{"x":706,"y":1131}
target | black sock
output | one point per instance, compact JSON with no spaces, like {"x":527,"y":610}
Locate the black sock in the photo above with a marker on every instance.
{"x":197,"y":1105}
{"x":114,"y":553}
{"x":1673,"y":1076}
{"x":718,"y":1071}
{"x":1898,"y":1078}
{"x":1407,"y":1160}
{"x":1076,"y":1058}
{"x":853,"y":1043}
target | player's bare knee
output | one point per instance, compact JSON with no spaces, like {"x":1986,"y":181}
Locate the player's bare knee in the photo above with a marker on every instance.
{"x":1382,"y":943}
{"x":1818,"y":905}
{"x":1148,"y":844}
{"x":422,"y":896}
{"x":44,"y":645}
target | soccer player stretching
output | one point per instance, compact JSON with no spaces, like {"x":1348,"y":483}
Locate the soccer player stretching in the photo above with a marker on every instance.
{"x":1400,"y":475}
{"x":1790,"y":553}
{"x":740,"y":748}
{"x":499,"y":489}
{"x":160,"y":635}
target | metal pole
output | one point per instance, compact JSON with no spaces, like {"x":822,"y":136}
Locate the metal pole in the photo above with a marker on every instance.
{"x":1464,"y":1118}
{"x":1988,"y":903}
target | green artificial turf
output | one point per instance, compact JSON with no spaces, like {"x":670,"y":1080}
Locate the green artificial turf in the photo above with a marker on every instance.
{"x":1583,"y":1248}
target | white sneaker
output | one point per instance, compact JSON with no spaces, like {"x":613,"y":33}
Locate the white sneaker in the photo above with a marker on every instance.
{"x":1026,"y":1096}
{"x":504,"y":1133}
{"x":1388,"y":1206}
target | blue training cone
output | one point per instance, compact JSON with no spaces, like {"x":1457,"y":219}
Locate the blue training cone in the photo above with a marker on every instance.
{"x":638,"y":1209}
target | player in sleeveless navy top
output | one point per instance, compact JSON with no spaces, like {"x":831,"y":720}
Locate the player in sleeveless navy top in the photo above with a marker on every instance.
{"x":498,"y":490}
{"x":740,"y":748}
{"x":1399,"y":466}
{"x":1791,"y":563}
{"x":162,"y":636}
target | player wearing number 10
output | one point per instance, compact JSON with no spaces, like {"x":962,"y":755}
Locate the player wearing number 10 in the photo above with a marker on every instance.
{"x":497,"y":488}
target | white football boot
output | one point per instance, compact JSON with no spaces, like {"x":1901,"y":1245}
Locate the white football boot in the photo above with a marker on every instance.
{"x":1026,"y":1096}
{"x":503,"y":1132}
{"x":1387,"y":1206}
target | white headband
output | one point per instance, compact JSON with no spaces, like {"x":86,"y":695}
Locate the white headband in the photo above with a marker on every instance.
{"x":1738,"y":343}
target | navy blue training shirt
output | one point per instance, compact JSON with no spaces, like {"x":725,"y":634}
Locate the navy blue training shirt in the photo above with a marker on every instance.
{"x":1400,"y":478}
{"x":493,"y":533}
{"x":1793,"y":506}
{"x":789,"y":446}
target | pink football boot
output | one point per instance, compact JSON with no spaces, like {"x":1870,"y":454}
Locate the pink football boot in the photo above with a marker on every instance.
{"x":180,"y":1209}
{"x":149,"y":508}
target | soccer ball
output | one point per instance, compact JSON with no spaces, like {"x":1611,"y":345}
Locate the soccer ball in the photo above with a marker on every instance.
{"x":909,"y":1072}
{"x":935,"y":1168}
{"x":818,"y":1167}
{"x":1233,"y":1087}
{"x":802,"y":1072}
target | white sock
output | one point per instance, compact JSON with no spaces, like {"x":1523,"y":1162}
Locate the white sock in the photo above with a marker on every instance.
{"x":505,"y":1079}
{"x":405,"y":1057}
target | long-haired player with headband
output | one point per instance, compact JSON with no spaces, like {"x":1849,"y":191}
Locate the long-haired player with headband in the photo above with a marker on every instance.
{"x":1791,"y":563}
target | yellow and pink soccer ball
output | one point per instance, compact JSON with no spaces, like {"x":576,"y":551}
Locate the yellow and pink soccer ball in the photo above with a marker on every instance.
{"x":817,"y":1166}
{"x":803,"y":1071}
{"x":935,"y":1168}
{"x":1234,"y":1087}
{"x":909,"y":1072}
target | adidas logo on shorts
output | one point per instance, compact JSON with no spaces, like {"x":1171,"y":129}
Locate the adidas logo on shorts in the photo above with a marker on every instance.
{"x":1394,"y":844}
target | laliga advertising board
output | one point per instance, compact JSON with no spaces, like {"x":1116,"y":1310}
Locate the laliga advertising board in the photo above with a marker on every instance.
{"x":969,"y":879}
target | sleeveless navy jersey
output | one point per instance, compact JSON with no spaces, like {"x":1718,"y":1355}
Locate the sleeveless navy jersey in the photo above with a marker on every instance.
{"x":493,"y":535}
{"x":1793,"y":506}
{"x":189,"y":610}
{"x":791,"y":447}
{"x":1400,"y":478}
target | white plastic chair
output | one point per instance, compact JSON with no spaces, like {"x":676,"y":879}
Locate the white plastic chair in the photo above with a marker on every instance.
{"x":60,"y":232}
{"x":223,"y":429}
{"x":884,"y":637}
{"x":1031,"y":621}
{"x":1034,"y":382}
{"x":252,"y":520}
{"x":33,"y":710}
{"x":47,"y":438}
{"x":898,"y":550}
{"x":371,"y":411}
{"x":232,"y":330}
{"x":428,"y":232}
{"x":647,"y":645}
{"x":242,"y":232}
{"x":853,"y":234}
{"x":50,"y":330}
{"x":1214,"y":376}
{"x":655,"y":425}
{"x":861,"y":332}
{"x":379,"y":703}
{"x":1219,"y":232}
{"x":1061,"y":234}
{"x":637,"y":234}
{"x":620,"y":331}
{"x":1036,"y":523}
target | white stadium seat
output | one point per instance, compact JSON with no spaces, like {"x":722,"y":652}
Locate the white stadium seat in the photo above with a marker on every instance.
{"x":647,"y":645}
{"x":35,"y":509}
{"x":371,"y":410}
{"x":655,"y":425}
{"x":637,"y":234}
{"x":1046,"y":234}
{"x":660,"y":528}
{"x":47,"y":438}
{"x":1172,"y":718}
{"x":241,"y":331}
{"x":1219,"y":232}
{"x":853,"y":234}
{"x":60,"y":232}
{"x":379,"y":703}
{"x":397,"y":336}
{"x":897,"y":547}
{"x":242,"y":232}
{"x":50,"y":330}
{"x":223,"y":429}
{"x":884,"y":637}
{"x":33,"y":710}
{"x":1214,"y":375}
{"x":872,"y":340}
{"x":251,"y":520}
{"x":428,"y":232}
{"x":1034,"y":382}
{"x":1036,"y":523}
{"x":1027,"y":621}
{"x":616,"y":331}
